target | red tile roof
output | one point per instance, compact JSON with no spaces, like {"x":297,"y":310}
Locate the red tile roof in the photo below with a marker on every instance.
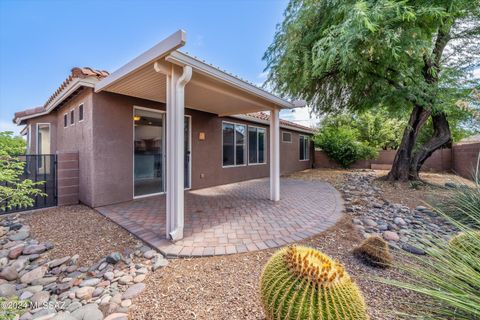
{"x":266,"y":117}
{"x":76,"y":73}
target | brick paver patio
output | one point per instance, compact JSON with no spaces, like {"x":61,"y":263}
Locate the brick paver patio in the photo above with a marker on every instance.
{"x":234,"y":218}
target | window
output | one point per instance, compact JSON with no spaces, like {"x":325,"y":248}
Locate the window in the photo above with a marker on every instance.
{"x":286,"y":137}
{"x":80,"y":113}
{"x":29,"y":138}
{"x":72,"y":117}
{"x":256,"y":145}
{"x":65,"y":120}
{"x":234,"y":140}
{"x":304,"y":147}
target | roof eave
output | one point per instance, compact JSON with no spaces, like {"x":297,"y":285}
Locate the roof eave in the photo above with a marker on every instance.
{"x":72,"y":87}
{"x":171,"y":43}
{"x":266,"y":122}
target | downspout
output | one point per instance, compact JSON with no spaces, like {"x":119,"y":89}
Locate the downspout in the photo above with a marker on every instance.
{"x":182,"y":81}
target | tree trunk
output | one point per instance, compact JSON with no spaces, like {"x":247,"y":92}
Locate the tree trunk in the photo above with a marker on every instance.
{"x":403,"y":158}
{"x":441,"y":135}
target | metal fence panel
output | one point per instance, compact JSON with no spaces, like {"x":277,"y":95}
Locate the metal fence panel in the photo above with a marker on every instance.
{"x":40,"y":167}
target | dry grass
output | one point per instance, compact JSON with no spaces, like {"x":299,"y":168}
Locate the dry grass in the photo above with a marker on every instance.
{"x":78,"y":230}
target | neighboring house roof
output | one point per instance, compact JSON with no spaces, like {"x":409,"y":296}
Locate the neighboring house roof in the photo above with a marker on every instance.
{"x":472,"y":139}
{"x":264,"y":118}
{"x":78,"y":77}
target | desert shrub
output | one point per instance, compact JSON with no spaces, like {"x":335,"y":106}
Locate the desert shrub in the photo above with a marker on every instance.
{"x":342,"y":145}
{"x":462,"y":204}
{"x":375,"y":252}
{"x":303,"y":283}
{"x":450,"y":273}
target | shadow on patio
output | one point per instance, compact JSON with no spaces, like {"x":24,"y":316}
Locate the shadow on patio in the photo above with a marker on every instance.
{"x":234,"y":218}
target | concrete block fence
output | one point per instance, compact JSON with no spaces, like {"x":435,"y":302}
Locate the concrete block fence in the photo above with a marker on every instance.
{"x":461,"y":159}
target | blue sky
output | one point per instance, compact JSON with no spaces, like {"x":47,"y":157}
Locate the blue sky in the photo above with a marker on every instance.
{"x":40,"y":41}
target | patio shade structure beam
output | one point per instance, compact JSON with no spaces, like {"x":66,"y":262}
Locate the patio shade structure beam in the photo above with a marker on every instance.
{"x":275,"y":155}
{"x":176,"y":80}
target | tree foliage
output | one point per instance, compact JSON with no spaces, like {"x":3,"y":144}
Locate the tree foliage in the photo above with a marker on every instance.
{"x":14,"y":191}
{"x":410,"y":56}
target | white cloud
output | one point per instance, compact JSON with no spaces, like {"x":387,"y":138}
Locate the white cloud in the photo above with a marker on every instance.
{"x":300,"y":116}
{"x":10,"y":126}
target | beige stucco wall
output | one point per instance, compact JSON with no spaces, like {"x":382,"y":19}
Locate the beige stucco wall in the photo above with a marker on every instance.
{"x":113,"y":149}
{"x":73,"y":138}
{"x":104,"y":141}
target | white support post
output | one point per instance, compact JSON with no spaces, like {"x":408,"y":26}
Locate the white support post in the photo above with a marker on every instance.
{"x":274,"y":155}
{"x":175,"y":150}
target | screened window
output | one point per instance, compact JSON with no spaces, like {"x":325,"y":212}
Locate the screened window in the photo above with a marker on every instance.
{"x":65,"y":120}
{"x":304,"y":148}
{"x":286,"y":137}
{"x":72,"y":117}
{"x":234,"y":141}
{"x":80,"y":113}
{"x":256,"y":145}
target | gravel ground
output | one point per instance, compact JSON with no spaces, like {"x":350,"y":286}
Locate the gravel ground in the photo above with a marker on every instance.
{"x":227,"y":287}
{"x":78,"y":230}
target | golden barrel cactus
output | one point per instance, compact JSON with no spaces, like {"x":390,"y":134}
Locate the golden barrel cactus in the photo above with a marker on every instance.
{"x":303,"y":283}
{"x":374,"y":251}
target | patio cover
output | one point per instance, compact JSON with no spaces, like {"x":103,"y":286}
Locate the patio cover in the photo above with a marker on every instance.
{"x":166,"y":75}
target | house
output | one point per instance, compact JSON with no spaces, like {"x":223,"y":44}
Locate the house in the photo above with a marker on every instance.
{"x":162,"y":123}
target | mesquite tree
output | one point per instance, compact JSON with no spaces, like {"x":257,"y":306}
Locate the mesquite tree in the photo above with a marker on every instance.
{"x":408,"y":56}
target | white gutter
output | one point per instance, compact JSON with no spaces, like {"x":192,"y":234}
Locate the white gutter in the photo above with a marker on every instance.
{"x":71,"y":88}
{"x":177,"y":176}
{"x":173,"y":42}
{"x":183,"y":59}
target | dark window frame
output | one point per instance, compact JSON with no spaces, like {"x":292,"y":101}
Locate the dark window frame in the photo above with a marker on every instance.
{"x":65,"y":120}
{"x":235,"y":145}
{"x":257,"y":143}
{"x":80,"y":113}
{"x":72,"y":117}
{"x":304,"y":141}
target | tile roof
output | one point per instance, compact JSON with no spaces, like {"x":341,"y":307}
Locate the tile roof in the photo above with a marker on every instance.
{"x":266,"y":117}
{"x":76,"y":73}
{"x":81,"y":73}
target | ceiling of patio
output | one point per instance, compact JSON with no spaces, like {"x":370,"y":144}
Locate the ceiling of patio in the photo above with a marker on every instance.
{"x":201,"y":93}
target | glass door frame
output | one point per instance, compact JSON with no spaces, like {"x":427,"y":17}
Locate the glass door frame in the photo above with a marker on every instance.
{"x":164,"y":157}
{"x":163,"y":152}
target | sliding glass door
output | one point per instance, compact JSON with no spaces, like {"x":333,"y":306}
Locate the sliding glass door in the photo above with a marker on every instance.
{"x":149,"y":149}
{"x":149,"y":152}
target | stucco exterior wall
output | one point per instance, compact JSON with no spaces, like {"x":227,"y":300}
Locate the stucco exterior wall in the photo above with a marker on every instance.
{"x":76,"y":138}
{"x":113,"y":149}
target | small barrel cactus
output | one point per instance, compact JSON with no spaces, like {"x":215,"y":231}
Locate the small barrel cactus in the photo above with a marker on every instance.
{"x":375,"y":252}
{"x":303,"y":283}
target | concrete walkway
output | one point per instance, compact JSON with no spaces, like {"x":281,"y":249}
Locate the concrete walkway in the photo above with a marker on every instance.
{"x":234,"y":218}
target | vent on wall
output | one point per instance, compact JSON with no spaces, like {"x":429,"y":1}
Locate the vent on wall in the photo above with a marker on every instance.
{"x":287,"y":137}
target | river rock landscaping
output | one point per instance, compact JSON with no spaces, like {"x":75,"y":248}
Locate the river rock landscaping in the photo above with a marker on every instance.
{"x":402,"y":227}
{"x":61,"y":289}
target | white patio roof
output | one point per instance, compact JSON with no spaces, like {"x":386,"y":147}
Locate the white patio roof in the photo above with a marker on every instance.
{"x":210,"y":89}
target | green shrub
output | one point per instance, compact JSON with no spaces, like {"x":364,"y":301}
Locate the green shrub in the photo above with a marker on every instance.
{"x":342,"y":145}
{"x":303,"y":283}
